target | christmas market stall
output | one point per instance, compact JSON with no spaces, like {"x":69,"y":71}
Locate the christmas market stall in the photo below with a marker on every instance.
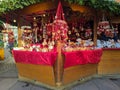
{"x":109,"y":40}
{"x":60,"y":42}
{"x":59,"y":55}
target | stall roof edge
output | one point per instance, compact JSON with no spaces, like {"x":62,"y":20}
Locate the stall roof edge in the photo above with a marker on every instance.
{"x":11,"y":5}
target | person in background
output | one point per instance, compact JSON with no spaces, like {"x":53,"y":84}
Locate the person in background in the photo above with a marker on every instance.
{"x":11,"y":40}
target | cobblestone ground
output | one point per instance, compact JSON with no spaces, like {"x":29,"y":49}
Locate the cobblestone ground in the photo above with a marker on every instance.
{"x":8,"y":63}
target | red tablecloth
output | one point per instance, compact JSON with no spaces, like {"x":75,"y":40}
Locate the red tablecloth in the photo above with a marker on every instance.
{"x":33,"y":57}
{"x":82,"y":57}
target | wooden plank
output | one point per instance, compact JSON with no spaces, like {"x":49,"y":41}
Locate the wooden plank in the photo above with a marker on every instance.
{"x":41,"y":73}
{"x":39,"y":7}
{"x":110,"y":62}
{"x":74,"y":73}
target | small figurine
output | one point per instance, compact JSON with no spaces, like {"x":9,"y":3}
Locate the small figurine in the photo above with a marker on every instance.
{"x":45,"y":49}
{"x":44,"y":42}
{"x":50,"y":47}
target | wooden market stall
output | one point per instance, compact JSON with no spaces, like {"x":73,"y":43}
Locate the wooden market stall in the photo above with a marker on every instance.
{"x":62,"y":68}
{"x":110,"y":62}
{"x":60,"y":71}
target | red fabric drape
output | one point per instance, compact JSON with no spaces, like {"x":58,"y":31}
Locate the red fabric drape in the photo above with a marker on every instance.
{"x":82,"y":57}
{"x":33,"y":57}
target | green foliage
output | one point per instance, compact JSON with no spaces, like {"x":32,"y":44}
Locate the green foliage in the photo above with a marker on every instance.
{"x":80,"y":2}
{"x":1,"y":44}
{"x":15,"y":44}
{"x":110,"y":5}
{"x":1,"y":41}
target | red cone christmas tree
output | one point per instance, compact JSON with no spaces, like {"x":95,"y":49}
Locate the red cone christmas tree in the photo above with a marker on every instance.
{"x":60,"y":27}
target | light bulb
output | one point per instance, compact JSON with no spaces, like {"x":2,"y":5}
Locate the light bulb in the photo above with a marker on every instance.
{"x":14,"y":20}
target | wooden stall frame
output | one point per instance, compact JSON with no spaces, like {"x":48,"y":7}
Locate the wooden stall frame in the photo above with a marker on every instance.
{"x":110,"y":62}
{"x":56,"y":75}
{"x":41,"y":73}
{"x":78,"y":72}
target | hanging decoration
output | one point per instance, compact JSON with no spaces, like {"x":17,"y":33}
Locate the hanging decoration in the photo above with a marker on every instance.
{"x":26,"y":36}
{"x":49,"y":30}
{"x":11,"y":36}
{"x":49,"y":26}
{"x":88,"y":32}
{"x":106,"y":30}
{"x":60,"y":27}
{"x":35,"y":30}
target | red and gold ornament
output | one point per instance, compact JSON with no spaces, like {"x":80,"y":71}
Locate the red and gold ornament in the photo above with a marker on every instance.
{"x":60,"y":26}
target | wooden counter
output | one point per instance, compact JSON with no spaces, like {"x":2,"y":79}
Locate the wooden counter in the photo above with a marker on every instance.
{"x":46,"y":74}
{"x":110,"y":62}
{"x":33,"y":66}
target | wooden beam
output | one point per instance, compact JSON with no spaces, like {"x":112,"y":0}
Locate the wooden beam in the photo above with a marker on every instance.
{"x":82,"y":9}
{"x":48,"y":5}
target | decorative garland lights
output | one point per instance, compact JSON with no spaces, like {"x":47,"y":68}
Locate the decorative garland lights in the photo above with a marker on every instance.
{"x":109,"y":5}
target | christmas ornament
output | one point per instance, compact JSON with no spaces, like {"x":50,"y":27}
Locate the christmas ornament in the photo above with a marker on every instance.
{"x":60,"y":26}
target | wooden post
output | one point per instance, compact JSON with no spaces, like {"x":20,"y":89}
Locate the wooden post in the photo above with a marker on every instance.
{"x":19,"y":34}
{"x":59,"y":67}
{"x":95,"y":29}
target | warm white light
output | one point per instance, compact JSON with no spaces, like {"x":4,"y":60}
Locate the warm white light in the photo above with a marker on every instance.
{"x":44,"y":15}
{"x":34,"y":18}
{"x":14,"y":20}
